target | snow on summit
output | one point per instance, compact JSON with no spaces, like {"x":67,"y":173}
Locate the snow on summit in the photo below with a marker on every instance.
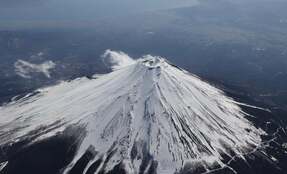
{"x":148,"y":115}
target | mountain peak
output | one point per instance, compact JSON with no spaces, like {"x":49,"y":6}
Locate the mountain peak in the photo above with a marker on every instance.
{"x":153,"y":61}
{"x":148,"y":116}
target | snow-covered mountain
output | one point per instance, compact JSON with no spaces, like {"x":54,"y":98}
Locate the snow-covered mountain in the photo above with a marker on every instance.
{"x":147,"y":117}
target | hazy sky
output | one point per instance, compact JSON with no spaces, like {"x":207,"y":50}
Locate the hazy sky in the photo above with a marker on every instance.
{"x":16,"y":13}
{"x":79,"y":9}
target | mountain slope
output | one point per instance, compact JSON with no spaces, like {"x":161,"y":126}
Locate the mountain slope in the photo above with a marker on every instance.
{"x":148,"y":117}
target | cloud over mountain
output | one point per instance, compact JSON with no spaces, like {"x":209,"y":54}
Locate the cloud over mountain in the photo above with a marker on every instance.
{"x":117,"y":59}
{"x":26,"y":69}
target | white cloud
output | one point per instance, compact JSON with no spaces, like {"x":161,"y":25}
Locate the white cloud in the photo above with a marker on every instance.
{"x":26,"y":69}
{"x":117,"y":59}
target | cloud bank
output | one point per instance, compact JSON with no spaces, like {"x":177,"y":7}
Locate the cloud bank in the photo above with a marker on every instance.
{"x":117,"y":59}
{"x":26,"y":69}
